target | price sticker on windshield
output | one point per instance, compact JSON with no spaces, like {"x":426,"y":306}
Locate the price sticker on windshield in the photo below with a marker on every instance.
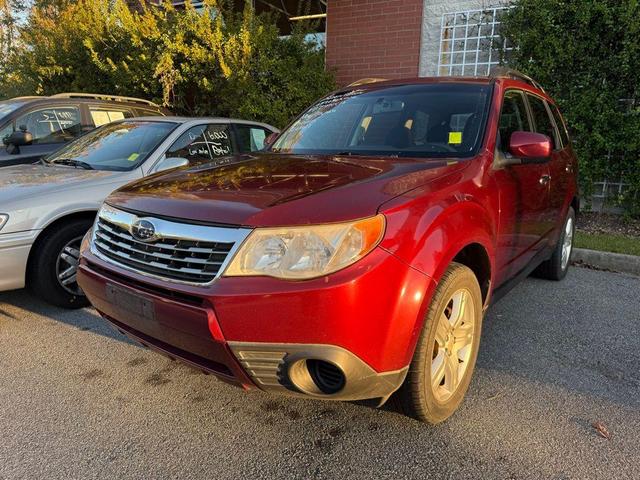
{"x":455,"y":138}
{"x":133,"y":156}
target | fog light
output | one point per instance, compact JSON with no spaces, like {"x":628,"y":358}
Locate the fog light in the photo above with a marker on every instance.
{"x":317,"y":377}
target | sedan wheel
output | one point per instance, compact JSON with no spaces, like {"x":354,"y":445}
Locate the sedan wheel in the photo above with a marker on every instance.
{"x":67,"y":266}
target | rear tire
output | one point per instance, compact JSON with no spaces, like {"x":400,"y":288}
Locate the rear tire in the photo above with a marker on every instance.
{"x":557,"y":266}
{"x":443,"y":363}
{"x":54,"y":257}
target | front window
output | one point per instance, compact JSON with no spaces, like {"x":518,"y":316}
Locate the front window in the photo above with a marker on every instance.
{"x":116,"y":146}
{"x":429,"y":120}
{"x":51,"y":124}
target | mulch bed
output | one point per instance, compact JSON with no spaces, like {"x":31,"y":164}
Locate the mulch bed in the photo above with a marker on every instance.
{"x":590,"y":222}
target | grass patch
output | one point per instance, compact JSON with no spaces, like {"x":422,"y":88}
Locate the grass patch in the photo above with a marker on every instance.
{"x":608,"y":243}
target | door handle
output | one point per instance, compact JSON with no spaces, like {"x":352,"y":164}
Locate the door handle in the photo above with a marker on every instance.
{"x":544,"y":179}
{"x":569,"y":168}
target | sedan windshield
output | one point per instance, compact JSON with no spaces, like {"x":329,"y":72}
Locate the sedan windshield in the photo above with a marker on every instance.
{"x":116,"y":146}
{"x":428,"y":120}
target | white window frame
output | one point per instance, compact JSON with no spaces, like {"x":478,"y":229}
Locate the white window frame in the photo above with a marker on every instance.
{"x":472,"y":44}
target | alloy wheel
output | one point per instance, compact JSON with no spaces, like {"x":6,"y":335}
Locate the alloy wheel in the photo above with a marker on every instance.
{"x":567,"y":243}
{"x":67,"y":267}
{"x":453,"y":345}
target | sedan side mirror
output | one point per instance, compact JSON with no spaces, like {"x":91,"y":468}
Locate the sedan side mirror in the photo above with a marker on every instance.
{"x":18,"y":139}
{"x":530,"y":147}
{"x":169,"y":163}
{"x":270,"y":140}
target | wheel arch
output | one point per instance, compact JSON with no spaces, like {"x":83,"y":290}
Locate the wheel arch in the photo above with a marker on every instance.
{"x":88,"y":215}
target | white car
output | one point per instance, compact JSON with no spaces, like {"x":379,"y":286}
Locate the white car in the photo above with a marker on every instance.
{"x":46,"y":208}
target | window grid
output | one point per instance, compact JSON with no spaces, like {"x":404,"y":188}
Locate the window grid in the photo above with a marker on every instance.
{"x":467,"y":42}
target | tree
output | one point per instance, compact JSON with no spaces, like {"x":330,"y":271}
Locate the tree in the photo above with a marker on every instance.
{"x":587,"y":56}
{"x":211,"y":62}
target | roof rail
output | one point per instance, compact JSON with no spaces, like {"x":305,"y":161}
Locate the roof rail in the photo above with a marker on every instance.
{"x":364,"y":81}
{"x":100,"y":96}
{"x":505,"y":72}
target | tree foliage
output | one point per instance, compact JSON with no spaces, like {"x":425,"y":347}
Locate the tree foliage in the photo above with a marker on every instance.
{"x":587,"y":55}
{"x":212,"y":62}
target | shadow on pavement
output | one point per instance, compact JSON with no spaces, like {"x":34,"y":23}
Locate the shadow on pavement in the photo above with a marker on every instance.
{"x":11,"y":304}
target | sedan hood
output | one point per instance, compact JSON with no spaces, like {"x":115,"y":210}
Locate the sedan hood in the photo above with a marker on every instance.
{"x":26,"y":181}
{"x":273,"y":189}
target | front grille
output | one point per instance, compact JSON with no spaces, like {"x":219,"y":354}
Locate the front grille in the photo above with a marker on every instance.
{"x":192,"y":258}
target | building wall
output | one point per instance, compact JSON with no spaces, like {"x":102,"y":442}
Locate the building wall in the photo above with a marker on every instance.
{"x":373,"y":38}
{"x":431,"y":27}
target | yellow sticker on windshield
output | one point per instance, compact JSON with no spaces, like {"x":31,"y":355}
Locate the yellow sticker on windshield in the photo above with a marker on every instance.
{"x":133,"y":156}
{"x":455,"y":138}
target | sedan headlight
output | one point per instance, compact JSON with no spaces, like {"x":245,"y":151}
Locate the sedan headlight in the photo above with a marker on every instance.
{"x":298,"y":253}
{"x":4,"y":218}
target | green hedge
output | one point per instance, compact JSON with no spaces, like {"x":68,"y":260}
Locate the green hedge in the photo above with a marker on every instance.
{"x":217,"y":62}
{"x":587,"y":55}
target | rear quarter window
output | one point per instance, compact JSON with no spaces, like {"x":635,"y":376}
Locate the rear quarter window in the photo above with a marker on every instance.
{"x":562,"y":128}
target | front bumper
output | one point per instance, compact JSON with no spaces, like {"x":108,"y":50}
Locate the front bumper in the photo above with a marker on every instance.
{"x":365,"y":320}
{"x":14,"y":254}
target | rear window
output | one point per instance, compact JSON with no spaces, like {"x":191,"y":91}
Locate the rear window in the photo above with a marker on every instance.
{"x":429,"y":120}
{"x":562,"y":129}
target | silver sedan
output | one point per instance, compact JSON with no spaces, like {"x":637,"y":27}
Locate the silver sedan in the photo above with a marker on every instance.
{"x":46,"y":208}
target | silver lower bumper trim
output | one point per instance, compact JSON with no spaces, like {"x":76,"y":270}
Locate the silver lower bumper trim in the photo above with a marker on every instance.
{"x":268,"y":365}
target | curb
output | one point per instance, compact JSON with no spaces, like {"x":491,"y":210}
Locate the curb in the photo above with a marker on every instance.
{"x":615,"y":262}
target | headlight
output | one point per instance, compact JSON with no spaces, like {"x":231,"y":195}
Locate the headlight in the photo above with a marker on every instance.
{"x":4,"y":218}
{"x":298,"y":253}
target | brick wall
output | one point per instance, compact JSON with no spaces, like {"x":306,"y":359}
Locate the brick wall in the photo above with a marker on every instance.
{"x":373,"y":38}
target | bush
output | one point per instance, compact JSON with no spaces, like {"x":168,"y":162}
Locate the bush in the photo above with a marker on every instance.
{"x":217,"y":62}
{"x":587,"y":56}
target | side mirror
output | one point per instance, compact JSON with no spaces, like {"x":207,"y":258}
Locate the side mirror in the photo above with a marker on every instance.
{"x":169,"y":163}
{"x":270,"y":140}
{"x":18,"y":139}
{"x":530,"y":147}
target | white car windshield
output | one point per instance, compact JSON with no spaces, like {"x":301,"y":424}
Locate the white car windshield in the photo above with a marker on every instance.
{"x":117,"y":146}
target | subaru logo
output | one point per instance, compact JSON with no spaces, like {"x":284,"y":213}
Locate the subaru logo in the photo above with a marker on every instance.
{"x":143,"y":230}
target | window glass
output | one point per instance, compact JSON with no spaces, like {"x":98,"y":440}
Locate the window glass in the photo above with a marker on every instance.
{"x":513,"y":118}
{"x":564,"y":135}
{"x":52,"y":125}
{"x":202,"y":143}
{"x":251,"y":138}
{"x":542,"y":120}
{"x":144,"y":112}
{"x":428,"y":120}
{"x":102,"y":116}
{"x":6,"y":131}
{"x":116,"y":146}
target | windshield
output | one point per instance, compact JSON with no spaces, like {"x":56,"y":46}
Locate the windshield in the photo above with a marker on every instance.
{"x":116,"y":146}
{"x":428,"y":120}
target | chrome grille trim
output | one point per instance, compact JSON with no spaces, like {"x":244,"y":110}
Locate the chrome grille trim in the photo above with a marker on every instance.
{"x":184,"y":253}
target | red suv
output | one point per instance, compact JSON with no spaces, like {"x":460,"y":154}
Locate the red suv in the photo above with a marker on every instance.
{"x":356,"y":256}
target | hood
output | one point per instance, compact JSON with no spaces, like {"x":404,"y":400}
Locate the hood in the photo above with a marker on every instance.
{"x":22,"y":181}
{"x":269,"y":189}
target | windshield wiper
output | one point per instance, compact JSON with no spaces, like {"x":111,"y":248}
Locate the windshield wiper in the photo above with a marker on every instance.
{"x":74,"y":163}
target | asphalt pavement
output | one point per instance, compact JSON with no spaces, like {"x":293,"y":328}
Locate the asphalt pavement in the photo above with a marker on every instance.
{"x":79,"y":401}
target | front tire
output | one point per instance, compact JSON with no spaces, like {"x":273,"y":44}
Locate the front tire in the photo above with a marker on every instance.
{"x":557,"y":266}
{"x":443,"y":363}
{"x":53,"y":267}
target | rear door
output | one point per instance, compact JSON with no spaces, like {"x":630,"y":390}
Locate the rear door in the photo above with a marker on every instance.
{"x":524,"y":194}
{"x":545,"y":124}
{"x":562,"y":169}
